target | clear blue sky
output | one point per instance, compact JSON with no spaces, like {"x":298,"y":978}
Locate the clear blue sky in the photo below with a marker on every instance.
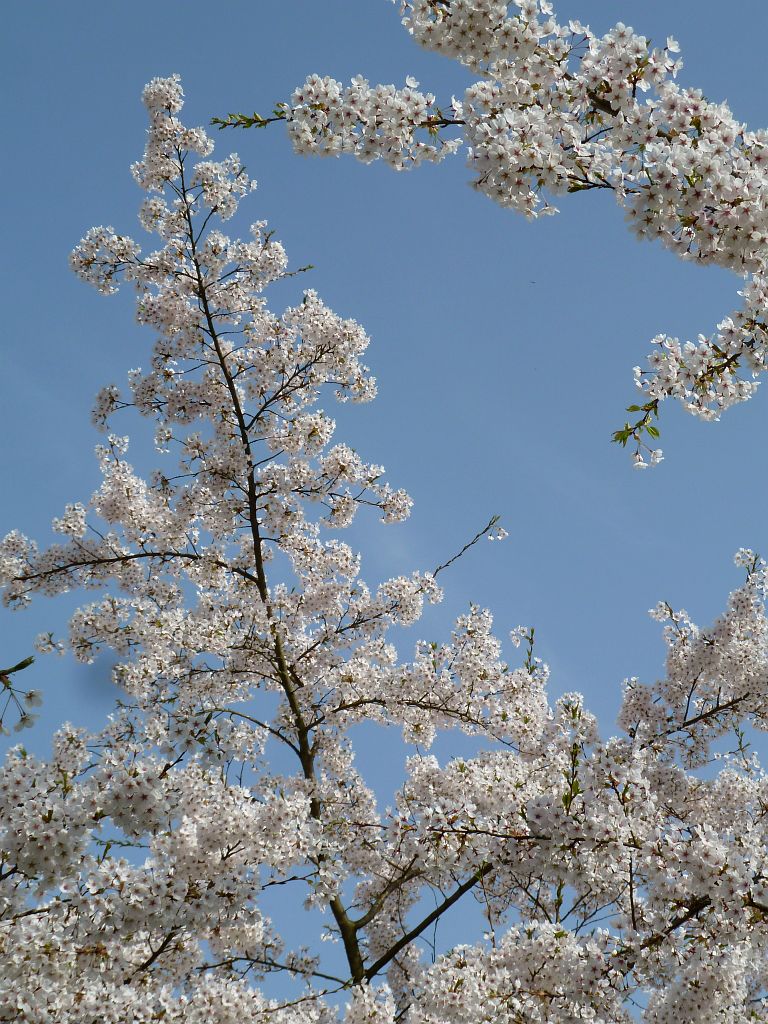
{"x":503,"y":349}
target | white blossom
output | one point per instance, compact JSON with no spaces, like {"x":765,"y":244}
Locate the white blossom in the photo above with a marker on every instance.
{"x":557,"y":109}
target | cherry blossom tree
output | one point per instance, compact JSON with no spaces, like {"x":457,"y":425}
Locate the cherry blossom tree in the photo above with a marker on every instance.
{"x":139,"y":863}
{"x":560,"y":110}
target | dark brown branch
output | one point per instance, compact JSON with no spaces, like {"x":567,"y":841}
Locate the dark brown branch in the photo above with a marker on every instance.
{"x":489,"y":526}
{"x":392,"y":886}
{"x":438,"y":912}
{"x":289,"y":680}
{"x":156,"y":954}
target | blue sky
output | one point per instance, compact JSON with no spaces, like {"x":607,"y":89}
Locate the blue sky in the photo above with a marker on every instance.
{"x":503,"y":349}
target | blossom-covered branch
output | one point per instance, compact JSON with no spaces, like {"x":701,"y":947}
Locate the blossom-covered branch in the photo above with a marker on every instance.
{"x":558,"y":109}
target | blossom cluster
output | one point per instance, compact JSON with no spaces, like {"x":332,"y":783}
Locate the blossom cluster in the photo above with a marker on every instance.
{"x":558,"y":109}
{"x":373,"y":123}
{"x":137,"y":863}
